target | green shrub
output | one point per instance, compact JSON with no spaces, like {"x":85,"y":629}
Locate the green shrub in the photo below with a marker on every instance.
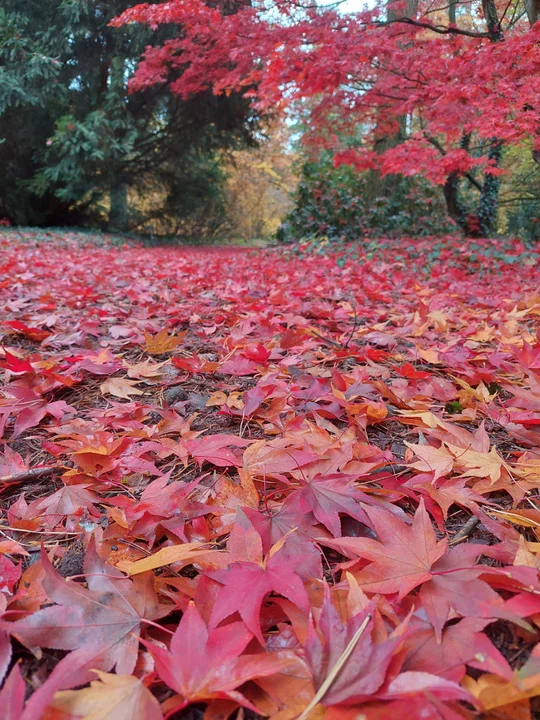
{"x":336,"y":203}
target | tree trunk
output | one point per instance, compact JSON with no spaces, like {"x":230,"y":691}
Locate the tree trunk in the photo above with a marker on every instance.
{"x":489,"y":197}
{"x":482,"y":223}
{"x":119,"y":212}
{"x":455,"y":208}
{"x":532,"y":8}
{"x":451,"y":196}
{"x":378,"y":185}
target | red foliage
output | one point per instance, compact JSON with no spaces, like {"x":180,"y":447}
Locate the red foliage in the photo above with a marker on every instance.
{"x":241,"y":469}
{"x":361,"y":70}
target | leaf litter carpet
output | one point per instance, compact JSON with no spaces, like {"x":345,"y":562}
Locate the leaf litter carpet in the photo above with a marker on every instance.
{"x":258,"y":484}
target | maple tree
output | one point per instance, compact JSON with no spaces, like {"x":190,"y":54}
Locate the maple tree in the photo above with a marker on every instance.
{"x":448,"y":85}
{"x":289,"y":485}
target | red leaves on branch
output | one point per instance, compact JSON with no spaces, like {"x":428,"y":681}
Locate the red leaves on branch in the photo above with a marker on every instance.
{"x":358,"y":69}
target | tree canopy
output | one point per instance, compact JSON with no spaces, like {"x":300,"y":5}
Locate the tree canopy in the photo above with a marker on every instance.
{"x":450,"y":84}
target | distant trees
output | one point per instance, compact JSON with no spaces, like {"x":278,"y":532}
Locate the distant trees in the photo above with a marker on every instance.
{"x":458,"y":81}
{"x":259,"y":186}
{"x":76,"y":148}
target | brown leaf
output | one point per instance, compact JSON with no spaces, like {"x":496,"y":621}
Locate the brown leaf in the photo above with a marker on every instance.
{"x":120,"y":387}
{"x":162,"y":342}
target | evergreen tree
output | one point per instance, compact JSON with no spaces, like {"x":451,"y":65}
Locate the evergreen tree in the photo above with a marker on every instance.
{"x":76,"y":147}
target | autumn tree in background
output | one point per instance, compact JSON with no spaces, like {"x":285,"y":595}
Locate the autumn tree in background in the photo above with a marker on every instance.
{"x":460,"y":84}
{"x":259,"y":186}
{"x":75,"y":148}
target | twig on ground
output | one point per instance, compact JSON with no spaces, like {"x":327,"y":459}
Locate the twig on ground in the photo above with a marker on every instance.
{"x":465,"y":531}
{"x":28,"y":475}
{"x":334,"y":672}
{"x":327,"y":340}
{"x":355,"y":324}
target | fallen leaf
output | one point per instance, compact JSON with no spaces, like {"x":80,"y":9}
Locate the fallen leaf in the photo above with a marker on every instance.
{"x":102,"y":620}
{"x":162,"y":342}
{"x":185,"y":554}
{"x":207,"y":663}
{"x":123,"y":697}
{"x":120,"y":387}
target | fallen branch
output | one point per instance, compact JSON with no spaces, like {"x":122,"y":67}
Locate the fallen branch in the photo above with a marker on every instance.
{"x":327,"y":340}
{"x":28,"y":475}
{"x":465,"y":531}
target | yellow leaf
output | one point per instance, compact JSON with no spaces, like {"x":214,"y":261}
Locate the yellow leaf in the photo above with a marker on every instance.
{"x":468,"y":393}
{"x":219,"y":398}
{"x":477,"y":464}
{"x":436,"y":460}
{"x":186,"y":554}
{"x":430,"y":356}
{"x":235,"y":401}
{"x":145,"y":369}
{"x":162,"y":342}
{"x":528,"y":467}
{"x":216,"y":399}
{"x":425,"y":417}
{"x":524,"y":556}
{"x":338,"y":394}
{"x":516,"y":517}
{"x":118,"y":516}
{"x":484,"y":334}
{"x":122,"y":697}
{"x":438,"y":319}
{"x":494,"y":692}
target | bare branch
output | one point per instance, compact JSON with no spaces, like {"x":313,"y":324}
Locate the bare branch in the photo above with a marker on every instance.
{"x":439,"y":29}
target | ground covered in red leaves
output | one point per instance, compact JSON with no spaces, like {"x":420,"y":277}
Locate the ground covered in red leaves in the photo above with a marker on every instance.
{"x":245,"y":484}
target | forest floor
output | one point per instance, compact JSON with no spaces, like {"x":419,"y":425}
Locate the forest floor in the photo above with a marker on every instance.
{"x":244,"y":483}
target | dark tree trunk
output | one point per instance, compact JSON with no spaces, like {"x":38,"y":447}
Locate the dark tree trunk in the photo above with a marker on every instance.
{"x":533,"y":11}
{"x":119,"y":212}
{"x":532,"y":8}
{"x":481,"y":224}
{"x":451,"y":196}
{"x":377,"y":184}
{"x":488,"y":203}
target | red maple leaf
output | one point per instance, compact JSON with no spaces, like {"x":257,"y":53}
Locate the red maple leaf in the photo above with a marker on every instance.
{"x":29,"y":408}
{"x":204,"y":664}
{"x":326,"y":496}
{"x":403,"y":557}
{"x":246,"y":584}
{"x":98,"y":624}
{"x":408,"y":556}
{"x":364,"y":672}
{"x":214,"y":449}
